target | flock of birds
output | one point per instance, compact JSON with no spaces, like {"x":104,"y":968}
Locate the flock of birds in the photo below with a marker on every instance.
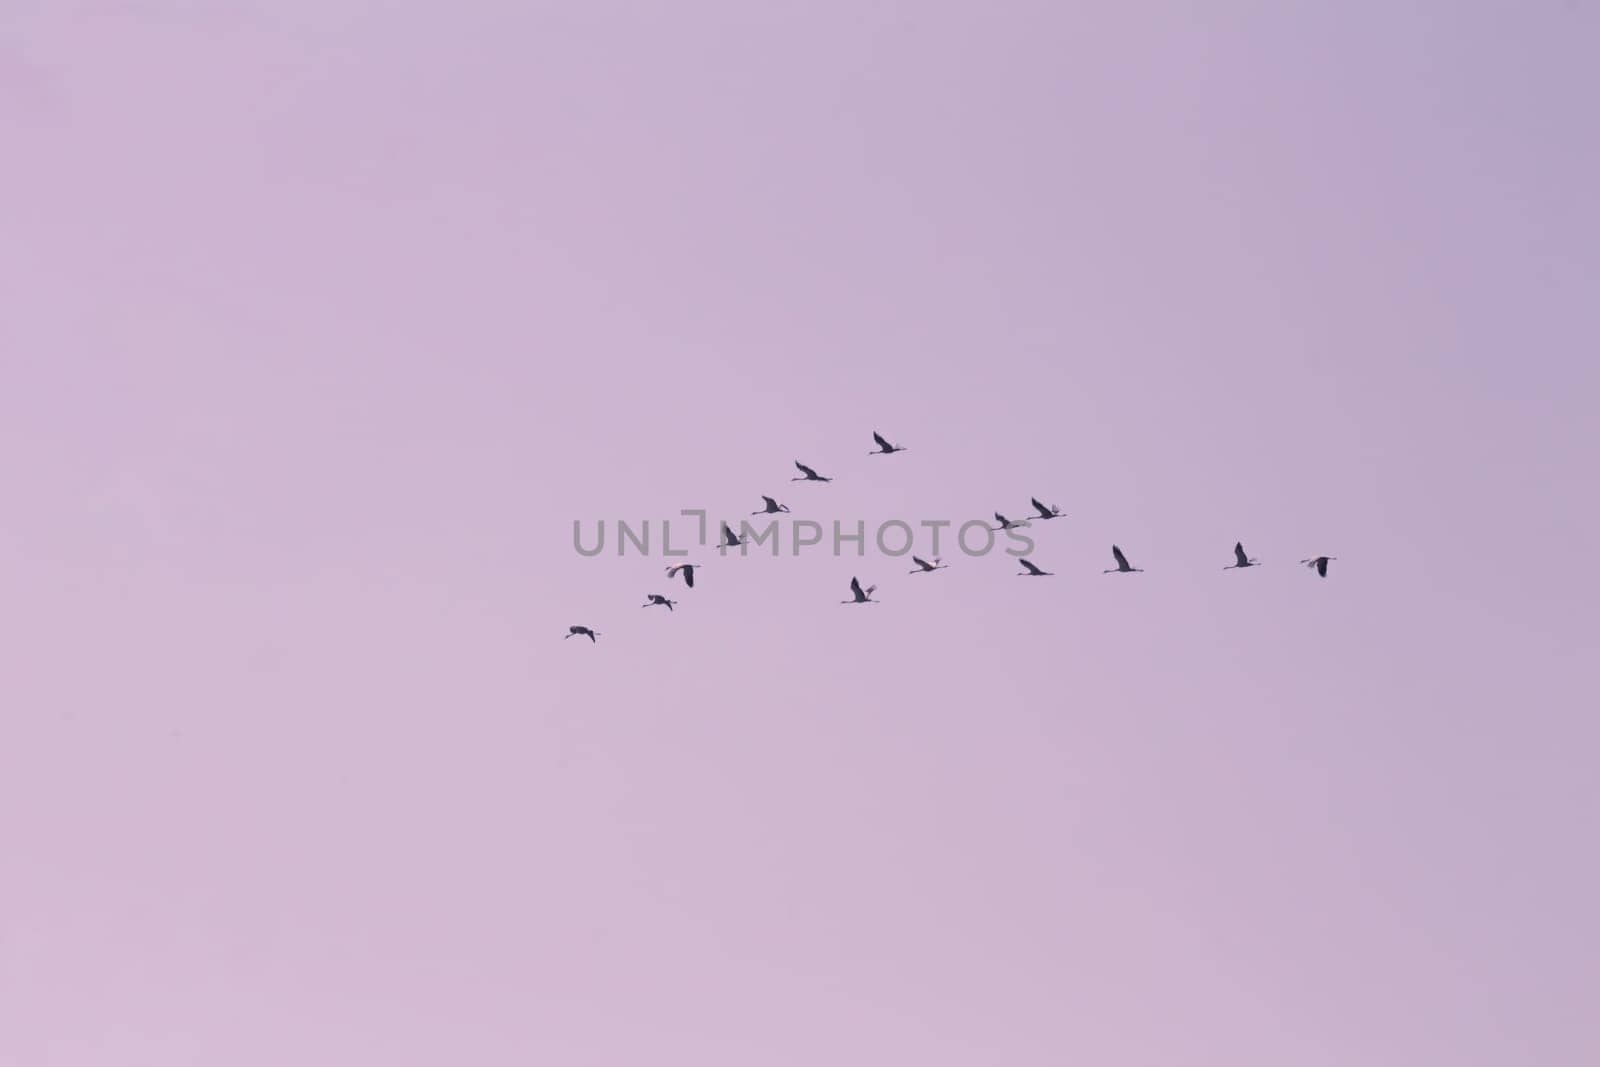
{"x":858,"y":595}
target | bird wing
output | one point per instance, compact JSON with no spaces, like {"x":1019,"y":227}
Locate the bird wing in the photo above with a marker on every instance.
{"x":772,"y":505}
{"x":919,"y":561}
{"x":1001,"y":519}
{"x":1322,"y":567}
{"x":688,"y":576}
{"x":727,"y":535}
{"x":1239,"y":556}
{"x":1030,"y":567}
{"x":1122,"y":561}
{"x":807,"y":471}
{"x":1035,"y":502}
{"x":878,"y":437}
{"x":855,"y":587}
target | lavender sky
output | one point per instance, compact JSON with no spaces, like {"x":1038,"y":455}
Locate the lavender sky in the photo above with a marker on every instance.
{"x":323,"y":321}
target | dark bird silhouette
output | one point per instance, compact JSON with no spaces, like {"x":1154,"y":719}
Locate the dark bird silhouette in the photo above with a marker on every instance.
{"x":1051,"y":512}
{"x":924,"y":567}
{"x":1005,"y":523}
{"x":884,"y":447}
{"x":1240,"y":559}
{"x":1319,"y":564}
{"x":655,"y":599}
{"x":772,"y":507}
{"x":1030,"y":571}
{"x":860,"y":597}
{"x":582,"y":631}
{"x":1122,"y":563}
{"x":688,"y":570}
{"x":729,"y":539}
{"x":808,"y":475}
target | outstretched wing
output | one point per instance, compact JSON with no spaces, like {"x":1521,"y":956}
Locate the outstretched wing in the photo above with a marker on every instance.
{"x":807,"y":471}
{"x":878,"y":437}
{"x":919,"y":561}
{"x":772,"y":505}
{"x":1001,"y":519}
{"x":1035,"y":502}
{"x":1122,"y":561}
{"x":688,"y":575}
{"x":1031,"y":569}
{"x":855,"y":588}
{"x":1239,"y":557}
{"x":727,"y":535}
{"x":1322,"y":567}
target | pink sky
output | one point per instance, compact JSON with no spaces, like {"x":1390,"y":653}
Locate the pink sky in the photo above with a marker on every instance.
{"x":323,"y":320}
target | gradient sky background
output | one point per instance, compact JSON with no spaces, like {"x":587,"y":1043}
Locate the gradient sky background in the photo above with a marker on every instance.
{"x":324,"y":320}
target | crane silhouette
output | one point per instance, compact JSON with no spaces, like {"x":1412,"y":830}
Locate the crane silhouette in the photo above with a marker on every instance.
{"x":582,"y":631}
{"x":1030,"y":571}
{"x":1319,"y":564}
{"x":1051,"y":512}
{"x":729,"y":539}
{"x":772,"y":507}
{"x":884,"y":447}
{"x":1122,"y":564}
{"x":1005,"y":523}
{"x":924,"y":567}
{"x":1240,"y":559}
{"x":688,"y":570}
{"x":808,"y":475}
{"x":860,"y":597}
{"x":654,"y":599}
